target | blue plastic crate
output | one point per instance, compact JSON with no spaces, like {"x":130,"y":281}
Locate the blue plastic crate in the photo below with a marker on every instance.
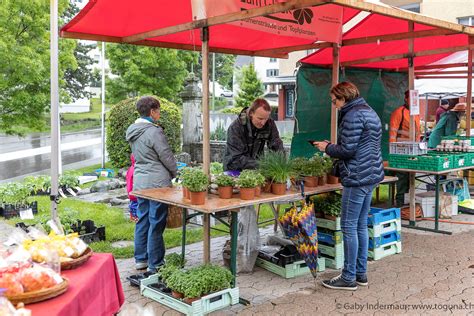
{"x":380,"y":215}
{"x":330,"y":238}
{"x":384,"y":239}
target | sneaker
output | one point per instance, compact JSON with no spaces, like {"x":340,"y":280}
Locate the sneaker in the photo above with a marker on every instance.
{"x":362,"y":280}
{"x":141,"y":265}
{"x":338,"y":283}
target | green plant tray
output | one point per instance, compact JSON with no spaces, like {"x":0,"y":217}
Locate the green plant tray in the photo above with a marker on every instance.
{"x":292,"y":270}
{"x":430,"y":162}
{"x":334,"y":255}
{"x":329,"y":224}
{"x":204,"y":305}
{"x":385,"y":227}
{"x":385,"y":250}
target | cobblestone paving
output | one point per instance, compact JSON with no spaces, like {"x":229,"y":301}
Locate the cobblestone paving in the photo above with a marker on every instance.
{"x":433,"y":269}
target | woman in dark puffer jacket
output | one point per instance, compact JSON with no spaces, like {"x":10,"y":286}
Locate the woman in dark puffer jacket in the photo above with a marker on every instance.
{"x":361,"y":170}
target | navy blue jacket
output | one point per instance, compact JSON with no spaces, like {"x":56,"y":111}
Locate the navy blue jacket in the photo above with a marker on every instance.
{"x":358,"y":145}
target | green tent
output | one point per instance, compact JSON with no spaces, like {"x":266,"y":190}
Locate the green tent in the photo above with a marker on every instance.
{"x":383,"y":91}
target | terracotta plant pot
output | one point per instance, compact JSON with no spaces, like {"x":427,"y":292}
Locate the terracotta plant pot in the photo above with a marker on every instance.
{"x":185,"y":193}
{"x":322,"y":180}
{"x":225,"y":192}
{"x":332,"y":179}
{"x":177,"y":294}
{"x":258,"y":190}
{"x":330,"y":217}
{"x":198,"y":198}
{"x":267,"y":187}
{"x":247,"y":193}
{"x":190,"y":300}
{"x":278,"y":188}
{"x":310,"y":182}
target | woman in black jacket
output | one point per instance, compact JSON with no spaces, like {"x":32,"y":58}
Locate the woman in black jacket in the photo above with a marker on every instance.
{"x":358,"y":151}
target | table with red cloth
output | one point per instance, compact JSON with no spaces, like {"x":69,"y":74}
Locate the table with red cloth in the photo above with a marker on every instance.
{"x":94,"y":289}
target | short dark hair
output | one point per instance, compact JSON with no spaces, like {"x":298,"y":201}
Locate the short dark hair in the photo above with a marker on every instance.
{"x":345,"y":90}
{"x":260,"y":103}
{"x":146,"y":104}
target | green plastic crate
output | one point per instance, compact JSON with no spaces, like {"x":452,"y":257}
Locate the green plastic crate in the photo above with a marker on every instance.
{"x":334,"y":255}
{"x":204,"y":305}
{"x":459,"y":160}
{"x":386,"y":227}
{"x":431,"y":162}
{"x":289,"y":271}
{"x":328,"y":223}
{"x":385,"y":250}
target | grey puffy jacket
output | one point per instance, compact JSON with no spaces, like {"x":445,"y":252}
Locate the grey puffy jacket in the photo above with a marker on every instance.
{"x":155,"y":164}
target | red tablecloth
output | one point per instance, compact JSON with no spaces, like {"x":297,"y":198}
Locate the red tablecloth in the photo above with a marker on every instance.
{"x":94,"y":289}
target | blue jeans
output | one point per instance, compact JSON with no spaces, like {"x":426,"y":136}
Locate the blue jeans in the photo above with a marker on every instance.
{"x":355,"y":209}
{"x":149,"y":243}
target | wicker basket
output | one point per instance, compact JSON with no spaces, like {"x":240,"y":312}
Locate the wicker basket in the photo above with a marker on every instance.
{"x":175,"y":217}
{"x":74,"y":263}
{"x":41,"y":295}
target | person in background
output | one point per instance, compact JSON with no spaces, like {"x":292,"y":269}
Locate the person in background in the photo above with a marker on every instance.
{"x":359,"y":152}
{"x":399,"y":132}
{"x":442,"y":108}
{"x":155,"y":166}
{"x":447,"y":125}
{"x":248,"y":135}
{"x":133,"y":204}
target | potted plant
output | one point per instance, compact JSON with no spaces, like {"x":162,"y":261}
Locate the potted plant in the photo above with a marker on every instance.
{"x":276,"y":167}
{"x":247,"y":183}
{"x":260,"y":181}
{"x":177,"y":282}
{"x":183,"y":173}
{"x":196,"y":181}
{"x":204,"y":280}
{"x":326,"y":163}
{"x":312,"y":170}
{"x":225,"y":186}
{"x":333,"y":207}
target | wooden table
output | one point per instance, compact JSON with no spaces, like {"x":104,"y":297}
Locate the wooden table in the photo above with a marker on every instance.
{"x":174,"y":196}
{"x":438,"y":182}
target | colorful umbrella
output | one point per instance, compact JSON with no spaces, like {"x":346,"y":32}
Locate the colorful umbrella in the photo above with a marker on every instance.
{"x":300,"y":228}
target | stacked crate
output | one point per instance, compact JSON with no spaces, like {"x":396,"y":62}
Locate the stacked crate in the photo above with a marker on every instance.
{"x":330,"y":244}
{"x":384,"y":232}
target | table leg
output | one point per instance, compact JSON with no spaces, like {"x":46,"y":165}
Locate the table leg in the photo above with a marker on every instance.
{"x":437,"y":202}
{"x":206,"y":221}
{"x":233,"y":247}
{"x":276,"y":215}
{"x":183,"y":235}
{"x":377,"y":194}
{"x":411,"y":178}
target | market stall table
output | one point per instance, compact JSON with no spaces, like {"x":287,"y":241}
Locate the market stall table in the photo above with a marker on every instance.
{"x":438,"y":182}
{"x":94,"y":289}
{"x":213,"y":204}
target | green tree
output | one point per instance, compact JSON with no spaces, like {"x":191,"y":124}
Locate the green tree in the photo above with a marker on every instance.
{"x":78,"y":78}
{"x":145,"y":71}
{"x":250,"y":87}
{"x":224,"y":69}
{"x":25,"y":63}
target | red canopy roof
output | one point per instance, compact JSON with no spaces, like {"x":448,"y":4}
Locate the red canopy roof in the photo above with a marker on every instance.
{"x":378,"y":25}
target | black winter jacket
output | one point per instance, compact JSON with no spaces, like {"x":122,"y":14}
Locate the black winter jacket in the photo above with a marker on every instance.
{"x":358,"y":145}
{"x":245,"y":143}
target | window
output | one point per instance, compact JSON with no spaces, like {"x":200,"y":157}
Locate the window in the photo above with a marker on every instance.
{"x":272,"y":72}
{"x":414,"y":7}
{"x":467,"y":20}
{"x":273,"y":60}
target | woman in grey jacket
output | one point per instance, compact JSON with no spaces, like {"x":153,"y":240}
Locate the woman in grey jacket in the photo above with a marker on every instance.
{"x":155,"y":166}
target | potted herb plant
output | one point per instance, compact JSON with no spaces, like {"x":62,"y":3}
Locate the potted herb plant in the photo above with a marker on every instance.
{"x":247,"y":183}
{"x":196,"y":181}
{"x":204,"y":280}
{"x":333,"y":207}
{"x":177,"y":282}
{"x":331,"y":179}
{"x":260,"y":181}
{"x":276,"y":167}
{"x":311,"y":170}
{"x":183,"y":173}
{"x":326,"y":163}
{"x":225,"y":186}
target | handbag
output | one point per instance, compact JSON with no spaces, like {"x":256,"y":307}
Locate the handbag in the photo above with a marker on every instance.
{"x":336,"y":168}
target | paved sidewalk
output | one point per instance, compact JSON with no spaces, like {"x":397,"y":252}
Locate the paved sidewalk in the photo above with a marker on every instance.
{"x":433,"y":269}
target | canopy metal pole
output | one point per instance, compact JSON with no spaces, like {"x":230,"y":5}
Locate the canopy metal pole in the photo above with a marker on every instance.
{"x":213,"y":82}
{"x":335,"y":80}
{"x":102,"y":129}
{"x":411,"y":86}
{"x":206,"y":148}
{"x":469,"y":90}
{"x":54,"y":108}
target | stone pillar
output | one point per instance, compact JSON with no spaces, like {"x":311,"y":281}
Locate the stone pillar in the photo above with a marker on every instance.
{"x":192,"y":113}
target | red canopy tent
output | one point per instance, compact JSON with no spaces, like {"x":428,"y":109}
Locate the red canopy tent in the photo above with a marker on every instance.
{"x":257,"y":27}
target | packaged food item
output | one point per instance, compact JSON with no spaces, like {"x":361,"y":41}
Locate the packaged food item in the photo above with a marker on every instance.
{"x":37,"y":278}
{"x":6,"y":308}
{"x":11,"y":284}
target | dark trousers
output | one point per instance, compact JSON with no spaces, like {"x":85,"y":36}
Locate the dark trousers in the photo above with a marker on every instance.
{"x":403,"y":187}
